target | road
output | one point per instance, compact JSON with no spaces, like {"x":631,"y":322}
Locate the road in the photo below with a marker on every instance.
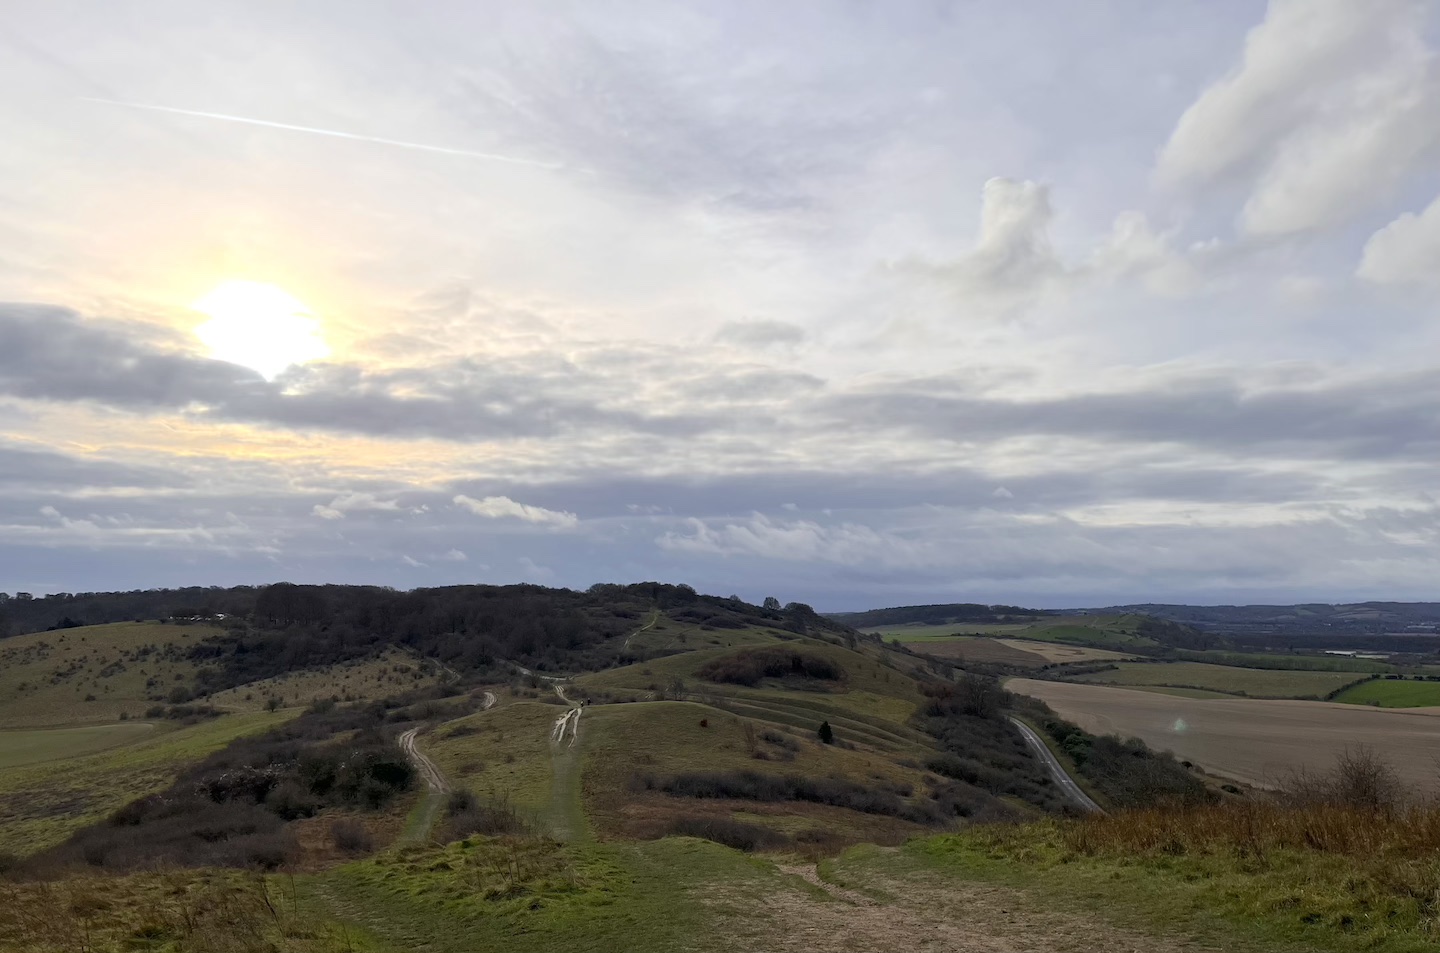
{"x":1067,"y":784}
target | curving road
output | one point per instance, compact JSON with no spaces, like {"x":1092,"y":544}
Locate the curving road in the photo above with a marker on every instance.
{"x":1067,"y":784}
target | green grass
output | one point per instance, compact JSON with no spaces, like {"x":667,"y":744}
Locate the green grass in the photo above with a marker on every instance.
{"x":21,"y":748}
{"x":42,"y":804}
{"x":502,"y":752}
{"x":948,"y":630}
{"x":1249,"y":682}
{"x":1292,"y":900}
{"x":535,"y":895}
{"x":1300,"y":663}
{"x":1392,"y":694}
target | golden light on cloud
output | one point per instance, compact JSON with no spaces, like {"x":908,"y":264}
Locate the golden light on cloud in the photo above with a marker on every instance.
{"x":259,"y":326}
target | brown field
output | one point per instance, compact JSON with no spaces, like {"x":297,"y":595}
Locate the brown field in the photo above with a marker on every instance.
{"x":1055,"y":652}
{"x":972,"y":649}
{"x":1256,"y":741}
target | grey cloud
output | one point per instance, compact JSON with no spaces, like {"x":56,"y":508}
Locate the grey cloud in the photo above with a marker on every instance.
{"x":51,"y":353}
{"x":34,"y":472}
{"x":760,"y":334}
{"x":1389,"y":415}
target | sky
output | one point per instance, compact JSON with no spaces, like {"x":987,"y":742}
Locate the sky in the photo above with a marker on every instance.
{"x":849,"y":303}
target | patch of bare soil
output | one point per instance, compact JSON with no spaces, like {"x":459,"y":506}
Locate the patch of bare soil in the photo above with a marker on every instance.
{"x":923,"y":915}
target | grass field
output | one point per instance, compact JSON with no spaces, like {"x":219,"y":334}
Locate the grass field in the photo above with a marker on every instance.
{"x":1393,"y":694}
{"x":41,"y":804}
{"x":19,"y":748}
{"x":1253,"y":683}
{"x":1254,"y":740}
{"x":1299,"y":663}
{"x":94,"y":673}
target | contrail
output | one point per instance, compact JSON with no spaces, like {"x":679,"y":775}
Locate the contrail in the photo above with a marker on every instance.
{"x":327,"y":132}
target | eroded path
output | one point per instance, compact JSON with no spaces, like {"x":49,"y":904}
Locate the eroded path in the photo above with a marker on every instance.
{"x":915,"y":911}
{"x":423,"y":819}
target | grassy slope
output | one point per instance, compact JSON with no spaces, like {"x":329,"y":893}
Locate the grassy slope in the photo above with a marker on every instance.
{"x":393,"y":672}
{"x":1392,"y":694}
{"x":42,"y":804}
{"x":1254,"y":683}
{"x":46,"y":676}
{"x":22,"y":747}
{"x":1278,"y":899}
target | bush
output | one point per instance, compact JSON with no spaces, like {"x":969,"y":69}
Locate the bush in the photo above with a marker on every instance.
{"x":351,"y":837}
{"x":731,"y":833}
{"x":749,"y":666}
{"x":467,"y":814}
{"x":753,"y":786}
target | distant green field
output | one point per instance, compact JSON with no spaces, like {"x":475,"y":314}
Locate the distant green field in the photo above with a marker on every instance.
{"x":1298,"y":663}
{"x":18,"y":748}
{"x":928,"y":633}
{"x":1253,"y":683}
{"x":1392,"y":694}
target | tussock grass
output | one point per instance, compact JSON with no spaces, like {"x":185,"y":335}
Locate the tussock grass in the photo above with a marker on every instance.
{"x":176,"y":912}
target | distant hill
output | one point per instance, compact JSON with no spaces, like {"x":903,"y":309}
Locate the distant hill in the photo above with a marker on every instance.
{"x":948,"y":614}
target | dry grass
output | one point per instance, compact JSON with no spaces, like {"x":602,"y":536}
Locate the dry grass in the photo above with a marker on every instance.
{"x":180,"y":912}
{"x":1255,"y":829}
{"x":392,"y":673}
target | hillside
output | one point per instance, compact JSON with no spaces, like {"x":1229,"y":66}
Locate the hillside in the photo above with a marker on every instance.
{"x":521,"y":768}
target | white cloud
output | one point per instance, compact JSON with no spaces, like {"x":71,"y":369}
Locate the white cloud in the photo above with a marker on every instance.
{"x":415,"y":563}
{"x":1330,"y":109}
{"x":1406,"y":250}
{"x":531,"y":571}
{"x":1135,"y":251}
{"x":502,"y":507}
{"x":351,"y":503}
{"x":453,"y":556}
{"x":1002,"y":494}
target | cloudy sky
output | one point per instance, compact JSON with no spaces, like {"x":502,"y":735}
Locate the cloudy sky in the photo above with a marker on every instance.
{"x":852,"y":303}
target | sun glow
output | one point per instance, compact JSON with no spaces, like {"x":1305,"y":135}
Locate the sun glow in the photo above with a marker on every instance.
{"x":259,"y":326}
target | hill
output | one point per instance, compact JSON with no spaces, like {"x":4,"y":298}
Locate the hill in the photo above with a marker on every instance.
{"x":639,"y":767}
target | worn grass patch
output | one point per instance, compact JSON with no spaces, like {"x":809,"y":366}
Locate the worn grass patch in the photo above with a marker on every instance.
{"x":1247,"y":682}
{"x":42,"y":804}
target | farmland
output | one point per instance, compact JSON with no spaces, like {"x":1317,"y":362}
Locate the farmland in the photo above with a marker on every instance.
{"x":1228,"y":679}
{"x":1253,"y":740}
{"x":1387,"y":693}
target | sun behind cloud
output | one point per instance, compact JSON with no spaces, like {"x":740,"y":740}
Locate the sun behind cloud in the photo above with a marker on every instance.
{"x":259,"y":326}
